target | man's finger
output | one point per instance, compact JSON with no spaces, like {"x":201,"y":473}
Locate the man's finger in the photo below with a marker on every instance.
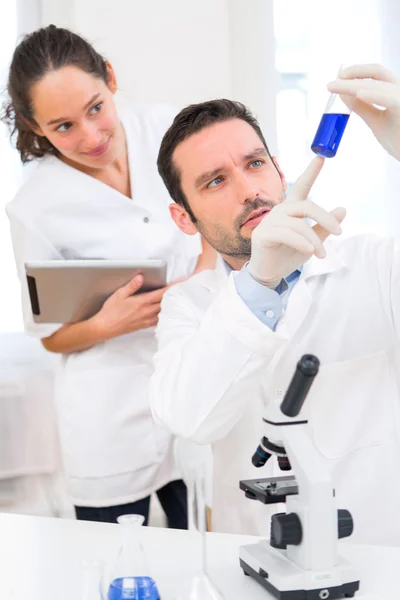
{"x":339,"y":214}
{"x":308,"y":209}
{"x":351,"y":87}
{"x":370,"y":114}
{"x":368,"y":71}
{"x":290,"y":238}
{"x":384,"y":99}
{"x":304,"y":183}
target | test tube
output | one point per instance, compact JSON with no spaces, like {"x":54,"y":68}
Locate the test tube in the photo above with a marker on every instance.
{"x":331,"y":127}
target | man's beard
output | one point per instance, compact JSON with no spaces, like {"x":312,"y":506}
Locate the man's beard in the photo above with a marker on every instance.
{"x":232,"y":243}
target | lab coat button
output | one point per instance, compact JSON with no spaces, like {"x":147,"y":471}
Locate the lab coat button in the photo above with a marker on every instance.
{"x":270,"y":314}
{"x":146,"y":220}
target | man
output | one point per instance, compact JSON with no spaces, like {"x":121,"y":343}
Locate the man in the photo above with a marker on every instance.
{"x":229,"y":343}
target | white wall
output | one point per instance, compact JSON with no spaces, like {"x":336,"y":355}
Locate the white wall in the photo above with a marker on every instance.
{"x":355,"y":177}
{"x":181,"y":51}
{"x":391,"y":59}
{"x":10,"y":171}
{"x":175,"y":51}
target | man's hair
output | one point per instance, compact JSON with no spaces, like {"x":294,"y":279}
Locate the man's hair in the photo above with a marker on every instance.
{"x":190,"y":120}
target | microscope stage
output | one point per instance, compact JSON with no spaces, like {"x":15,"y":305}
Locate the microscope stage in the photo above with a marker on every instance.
{"x":270,"y":490}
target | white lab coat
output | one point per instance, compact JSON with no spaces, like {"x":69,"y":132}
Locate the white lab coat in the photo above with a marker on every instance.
{"x":218,"y":366}
{"x":113,"y":452}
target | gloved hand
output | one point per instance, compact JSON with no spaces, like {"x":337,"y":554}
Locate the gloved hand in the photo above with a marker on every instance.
{"x":367,"y":85}
{"x":283,"y":241}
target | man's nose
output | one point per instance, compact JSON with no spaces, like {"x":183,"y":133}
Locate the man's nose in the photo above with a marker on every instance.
{"x":247,"y":188}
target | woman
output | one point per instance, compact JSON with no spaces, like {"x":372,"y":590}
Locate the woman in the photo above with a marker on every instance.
{"x":96,"y":193}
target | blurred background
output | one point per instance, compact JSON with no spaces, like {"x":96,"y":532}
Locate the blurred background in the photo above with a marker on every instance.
{"x":276,"y":56}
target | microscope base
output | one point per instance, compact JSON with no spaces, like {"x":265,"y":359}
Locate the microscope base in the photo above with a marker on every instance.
{"x":286,"y":581}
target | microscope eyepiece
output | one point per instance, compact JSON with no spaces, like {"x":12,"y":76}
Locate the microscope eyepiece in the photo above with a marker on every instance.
{"x":308,"y":365}
{"x":306,"y":370}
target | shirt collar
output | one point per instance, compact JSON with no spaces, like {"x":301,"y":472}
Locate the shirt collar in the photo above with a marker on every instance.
{"x":315,"y":266}
{"x":228,"y":270}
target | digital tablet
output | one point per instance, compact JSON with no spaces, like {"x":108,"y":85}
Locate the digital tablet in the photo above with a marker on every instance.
{"x":68,"y":291}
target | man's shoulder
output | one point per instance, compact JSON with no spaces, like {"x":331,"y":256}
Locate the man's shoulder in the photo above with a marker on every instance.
{"x":198,"y":287}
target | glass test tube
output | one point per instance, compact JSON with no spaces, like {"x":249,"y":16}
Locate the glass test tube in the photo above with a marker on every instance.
{"x":331,"y":127}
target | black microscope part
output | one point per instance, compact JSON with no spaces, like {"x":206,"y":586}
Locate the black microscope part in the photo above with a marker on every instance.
{"x":260,"y":457}
{"x":284,"y":463}
{"x":286,"y":530}
{"x":306,"y":370}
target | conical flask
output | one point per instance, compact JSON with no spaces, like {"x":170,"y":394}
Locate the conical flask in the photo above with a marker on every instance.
{"x":130,"y":577}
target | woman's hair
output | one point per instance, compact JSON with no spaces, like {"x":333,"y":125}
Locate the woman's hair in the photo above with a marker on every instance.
{"x":40,"y":52}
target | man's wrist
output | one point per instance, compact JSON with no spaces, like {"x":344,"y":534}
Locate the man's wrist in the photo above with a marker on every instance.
{"x":269,"y":283}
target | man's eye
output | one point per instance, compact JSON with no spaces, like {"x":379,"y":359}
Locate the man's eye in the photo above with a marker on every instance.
{"x":215,"y":182}
{"x":256,"y":163}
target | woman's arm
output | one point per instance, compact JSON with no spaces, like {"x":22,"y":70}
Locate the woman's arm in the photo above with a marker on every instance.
{"x":123,"y":312}
{"x":73,"y":338}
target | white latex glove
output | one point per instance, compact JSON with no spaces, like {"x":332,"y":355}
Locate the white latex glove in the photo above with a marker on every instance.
{"x":369,"y":85}
{"x":283,"y":241}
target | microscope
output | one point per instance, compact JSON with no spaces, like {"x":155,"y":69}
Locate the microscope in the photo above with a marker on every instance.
{"x":300,"y":561}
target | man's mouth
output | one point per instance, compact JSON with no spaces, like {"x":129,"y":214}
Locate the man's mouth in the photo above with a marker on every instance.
{"x":256,"y":217}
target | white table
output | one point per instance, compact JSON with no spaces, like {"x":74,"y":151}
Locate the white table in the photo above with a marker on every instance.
{"x":40,"y":559}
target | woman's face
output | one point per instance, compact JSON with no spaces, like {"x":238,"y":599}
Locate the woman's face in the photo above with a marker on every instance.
{"x":75,"y":111}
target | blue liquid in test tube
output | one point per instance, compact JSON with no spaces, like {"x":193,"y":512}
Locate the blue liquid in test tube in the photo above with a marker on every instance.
{"x":331,"y":127}
{"x":329,"y":134}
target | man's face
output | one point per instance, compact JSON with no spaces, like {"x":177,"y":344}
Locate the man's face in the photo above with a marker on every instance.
{"x":230,"y":183}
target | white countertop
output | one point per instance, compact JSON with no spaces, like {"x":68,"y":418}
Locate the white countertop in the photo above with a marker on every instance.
{"x":40,"y":559}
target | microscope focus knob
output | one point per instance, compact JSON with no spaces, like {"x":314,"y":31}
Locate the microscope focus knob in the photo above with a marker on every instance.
{"x":345,"y":523}
{"x":286,"y":530}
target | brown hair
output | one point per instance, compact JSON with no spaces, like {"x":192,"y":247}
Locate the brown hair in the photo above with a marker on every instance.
{"x":44,"y":50}
{"x":190,"y":120}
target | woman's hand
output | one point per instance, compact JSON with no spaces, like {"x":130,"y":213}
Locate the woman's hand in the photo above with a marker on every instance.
{"x":126,"y":311}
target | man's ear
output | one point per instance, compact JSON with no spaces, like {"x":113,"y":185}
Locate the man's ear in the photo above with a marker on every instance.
{"x":182,"y":219}
{"x":282,"y":176}
{"x":111,"y":78}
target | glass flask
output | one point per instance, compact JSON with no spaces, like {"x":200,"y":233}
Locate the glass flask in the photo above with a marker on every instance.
{"x":331,"y":127}
{"x":92,"y":576}
{"x":201,"y":587}
{"x":130,"y":578}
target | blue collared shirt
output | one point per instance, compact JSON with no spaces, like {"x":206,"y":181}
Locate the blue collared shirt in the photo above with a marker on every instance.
{"x":265,"y":303}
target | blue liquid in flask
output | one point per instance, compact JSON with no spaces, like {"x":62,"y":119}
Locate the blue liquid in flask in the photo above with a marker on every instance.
{"x":329,"y":133}
{"x":133,"y":588}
